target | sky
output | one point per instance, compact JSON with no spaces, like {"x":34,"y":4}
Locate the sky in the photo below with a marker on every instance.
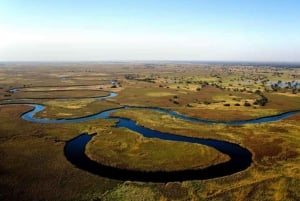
{"x":104,"y":30}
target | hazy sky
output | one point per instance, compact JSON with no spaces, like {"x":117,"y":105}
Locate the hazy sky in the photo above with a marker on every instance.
{"x":58,"y":30}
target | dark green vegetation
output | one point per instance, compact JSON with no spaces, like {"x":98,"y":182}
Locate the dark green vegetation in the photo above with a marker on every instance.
{"x":33,"y":166}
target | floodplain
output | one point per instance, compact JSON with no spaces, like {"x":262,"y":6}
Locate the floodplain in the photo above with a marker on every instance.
{"x":34,"y":167}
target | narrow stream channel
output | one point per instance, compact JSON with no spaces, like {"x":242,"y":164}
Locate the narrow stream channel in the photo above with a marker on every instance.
{"x":240,"y":158}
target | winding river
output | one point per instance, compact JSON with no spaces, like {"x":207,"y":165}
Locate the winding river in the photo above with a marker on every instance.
{"x":240,"y":158}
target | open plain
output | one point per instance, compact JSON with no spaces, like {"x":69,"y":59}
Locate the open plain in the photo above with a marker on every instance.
{"x":33,"y":162}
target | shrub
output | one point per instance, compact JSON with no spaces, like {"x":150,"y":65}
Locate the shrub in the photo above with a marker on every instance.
{"x":206,"y":102}
{"x":262,"y":101}
{"x":247,"y":104}
{"x":175,"y":102}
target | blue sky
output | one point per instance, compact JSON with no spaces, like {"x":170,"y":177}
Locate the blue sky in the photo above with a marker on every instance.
{"x":62,"y":30}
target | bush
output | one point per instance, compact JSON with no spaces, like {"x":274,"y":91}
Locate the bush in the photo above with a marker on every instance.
{"x":247,"y":104}
{"x":262,"y":101}
{"x":175,"y":102}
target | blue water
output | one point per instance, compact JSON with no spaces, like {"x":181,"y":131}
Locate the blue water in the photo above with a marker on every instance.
{"x":240,"y":158}
{"x":29,"y":116}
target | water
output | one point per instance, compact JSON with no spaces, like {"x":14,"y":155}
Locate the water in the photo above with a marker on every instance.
{"x":240,"y":158}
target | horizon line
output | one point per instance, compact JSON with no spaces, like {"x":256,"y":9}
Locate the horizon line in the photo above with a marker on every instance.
{"x":152,"y":61}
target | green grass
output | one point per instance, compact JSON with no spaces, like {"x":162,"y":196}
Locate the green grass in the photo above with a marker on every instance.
{"x":275,"y":149}
{"x":74,"y":108}
{"x":128,"y":150}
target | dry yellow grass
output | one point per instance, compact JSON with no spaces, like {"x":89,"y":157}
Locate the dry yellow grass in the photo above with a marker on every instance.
{"x":32,"y":160}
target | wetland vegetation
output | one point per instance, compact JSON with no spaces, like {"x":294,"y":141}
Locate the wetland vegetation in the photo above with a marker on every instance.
{"x":32,"y":154}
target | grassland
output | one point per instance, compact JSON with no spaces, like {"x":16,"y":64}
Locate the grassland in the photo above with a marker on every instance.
{"x":275,"y":153}
{"x":58,"y":94}
{"x":32,"y":161}
{"x":128,"y":150}
{"x":33,"y":166}
{"x":74,"y":108}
